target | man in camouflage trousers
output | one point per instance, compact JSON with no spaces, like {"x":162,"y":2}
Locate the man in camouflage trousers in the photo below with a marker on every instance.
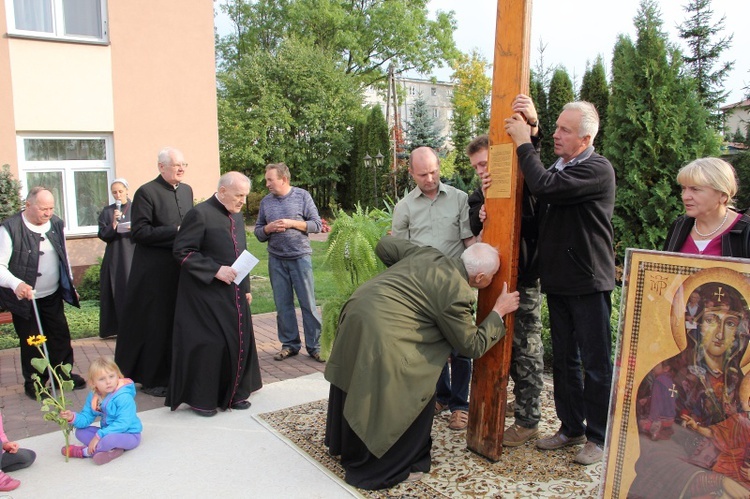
{"x":528,"y":351}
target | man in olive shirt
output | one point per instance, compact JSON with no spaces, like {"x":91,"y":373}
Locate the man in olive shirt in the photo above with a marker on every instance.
{"x":437,"y":215}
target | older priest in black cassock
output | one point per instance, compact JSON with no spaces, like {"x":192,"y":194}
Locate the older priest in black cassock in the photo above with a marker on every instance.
{"x":144,"y":342}
{"x":393,"y":338}
{"x":214,"y":359}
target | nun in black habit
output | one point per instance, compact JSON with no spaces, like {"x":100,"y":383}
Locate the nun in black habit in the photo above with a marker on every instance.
{"x":114,"y":229}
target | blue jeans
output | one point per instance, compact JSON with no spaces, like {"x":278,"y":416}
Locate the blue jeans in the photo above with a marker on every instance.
{"x":287,"y":278}
{"x":581,"y":336}
{"x":453,"y":385}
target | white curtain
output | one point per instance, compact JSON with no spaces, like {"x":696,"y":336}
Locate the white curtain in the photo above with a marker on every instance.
{"x":33,"y":15}
{"x":83,"y":17}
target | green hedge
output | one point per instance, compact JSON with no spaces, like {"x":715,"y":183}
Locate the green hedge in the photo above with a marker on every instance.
{"x":83,"y":323}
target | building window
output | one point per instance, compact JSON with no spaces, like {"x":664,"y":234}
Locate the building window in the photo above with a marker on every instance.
{"x":435,"y":113}
{"x":433,"y":90}
{"x":76,"y":169}
{"x":412,"y":90}
{"x":80,"y":20}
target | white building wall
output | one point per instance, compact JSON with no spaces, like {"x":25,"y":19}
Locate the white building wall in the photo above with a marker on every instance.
{"x":437,"y":95}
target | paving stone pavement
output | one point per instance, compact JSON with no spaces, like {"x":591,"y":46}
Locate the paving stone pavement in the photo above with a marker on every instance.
{"x":22,"y":417}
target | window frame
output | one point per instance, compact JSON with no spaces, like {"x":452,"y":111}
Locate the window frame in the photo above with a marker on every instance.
{"x":58,"y":25}
{"x":68,"y":168}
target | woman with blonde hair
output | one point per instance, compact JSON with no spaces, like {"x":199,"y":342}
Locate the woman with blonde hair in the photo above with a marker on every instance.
{"x":711,"y":225}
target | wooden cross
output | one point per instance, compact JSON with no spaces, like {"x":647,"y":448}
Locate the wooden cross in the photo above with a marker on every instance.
{"x":489,"y":382}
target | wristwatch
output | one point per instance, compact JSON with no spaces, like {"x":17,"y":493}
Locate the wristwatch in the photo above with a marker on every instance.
{"x":534,"y":124}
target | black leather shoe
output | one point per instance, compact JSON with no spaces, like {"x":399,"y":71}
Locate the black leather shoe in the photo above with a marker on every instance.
{"x":203,"y":412}
{"x":78,"y":382}
{"x":29,"y":390}
{"x":241,"y":405}
{"x":156,"y":391}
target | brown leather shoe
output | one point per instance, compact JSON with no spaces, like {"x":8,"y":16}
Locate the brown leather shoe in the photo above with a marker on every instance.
{"x":440,"y":407}
{"x":284,"y":353}
{"x":558,"y":441}
{"x":516,"y":435}
{"x":459,"y":420}
{"x":590,"y":454}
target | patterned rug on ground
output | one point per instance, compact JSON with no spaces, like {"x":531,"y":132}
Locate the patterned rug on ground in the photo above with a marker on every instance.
{"x":457,"y":472}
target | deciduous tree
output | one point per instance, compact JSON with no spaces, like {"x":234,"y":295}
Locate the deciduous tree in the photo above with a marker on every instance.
{"x":470,"y":102}
{"x":293,"y":105}
{"x":366,"y":35}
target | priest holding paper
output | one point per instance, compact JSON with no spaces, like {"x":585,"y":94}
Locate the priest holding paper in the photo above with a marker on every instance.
{"x":214,"y":358}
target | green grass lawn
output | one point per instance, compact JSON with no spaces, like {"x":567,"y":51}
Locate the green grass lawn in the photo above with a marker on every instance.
{"x":261,"y":286}
{"x":84,"y":323}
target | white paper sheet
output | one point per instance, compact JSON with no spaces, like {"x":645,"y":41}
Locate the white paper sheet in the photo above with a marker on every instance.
{"x":243,"y":265}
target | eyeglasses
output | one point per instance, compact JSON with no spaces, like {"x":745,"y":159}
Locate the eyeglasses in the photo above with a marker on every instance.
{"x":178,"y":165}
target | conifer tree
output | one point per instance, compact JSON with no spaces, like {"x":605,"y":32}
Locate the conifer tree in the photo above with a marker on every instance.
{"x":594,"y":89}
{"x":703,"y":58}
{"x":377,"y":142}
{"x":655,"y":125}
{"x":538,"y":95}
{"x":421,"y":127}
{"x":349,"y":191}
{"x":738,"y":135}
{"x":560,"y":93}
{"x":741,"y":163}
{"x":10,"y":194}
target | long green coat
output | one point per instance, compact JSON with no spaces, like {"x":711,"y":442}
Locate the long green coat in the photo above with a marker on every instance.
{"x":395,"y":334}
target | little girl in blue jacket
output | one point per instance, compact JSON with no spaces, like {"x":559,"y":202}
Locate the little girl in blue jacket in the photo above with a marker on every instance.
{"x":112,"y":399}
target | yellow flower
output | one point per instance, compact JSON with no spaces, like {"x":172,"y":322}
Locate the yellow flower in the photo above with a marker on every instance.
{"x":37,"y":340}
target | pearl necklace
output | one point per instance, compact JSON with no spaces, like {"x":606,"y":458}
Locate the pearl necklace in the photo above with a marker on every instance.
{"x":695,"y":227}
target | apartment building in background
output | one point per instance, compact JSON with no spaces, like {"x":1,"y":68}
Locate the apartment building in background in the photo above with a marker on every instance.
{"x":437,"y":95}
{"x":91,"y":90}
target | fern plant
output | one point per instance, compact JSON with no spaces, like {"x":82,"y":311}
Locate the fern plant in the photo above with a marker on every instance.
{"x":351,"y":257}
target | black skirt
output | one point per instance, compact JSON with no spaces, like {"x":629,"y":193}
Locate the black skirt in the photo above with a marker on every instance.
{"x":410,"y":453}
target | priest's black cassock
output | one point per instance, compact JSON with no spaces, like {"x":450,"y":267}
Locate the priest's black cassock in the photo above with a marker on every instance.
{"x":214,"y":359}
{"x":115,"y":269}
{"x":144,"y":343}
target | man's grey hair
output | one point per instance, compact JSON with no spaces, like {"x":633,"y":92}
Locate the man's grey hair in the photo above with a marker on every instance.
{"x":231,"y":178}
{"x":165,"y":156}
{"x":34,"y":192}
{"x":589,"y":118}
{"x":481,"y":258}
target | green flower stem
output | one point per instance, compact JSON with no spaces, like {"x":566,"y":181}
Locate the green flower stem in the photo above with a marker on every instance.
{"x":60,"y":403}
{"x":51,"y":371}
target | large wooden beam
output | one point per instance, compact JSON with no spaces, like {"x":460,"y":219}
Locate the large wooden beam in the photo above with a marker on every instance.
{"x":503,"y":204}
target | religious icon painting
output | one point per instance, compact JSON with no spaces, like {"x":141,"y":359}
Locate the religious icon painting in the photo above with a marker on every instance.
{"x":678,"y":421}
